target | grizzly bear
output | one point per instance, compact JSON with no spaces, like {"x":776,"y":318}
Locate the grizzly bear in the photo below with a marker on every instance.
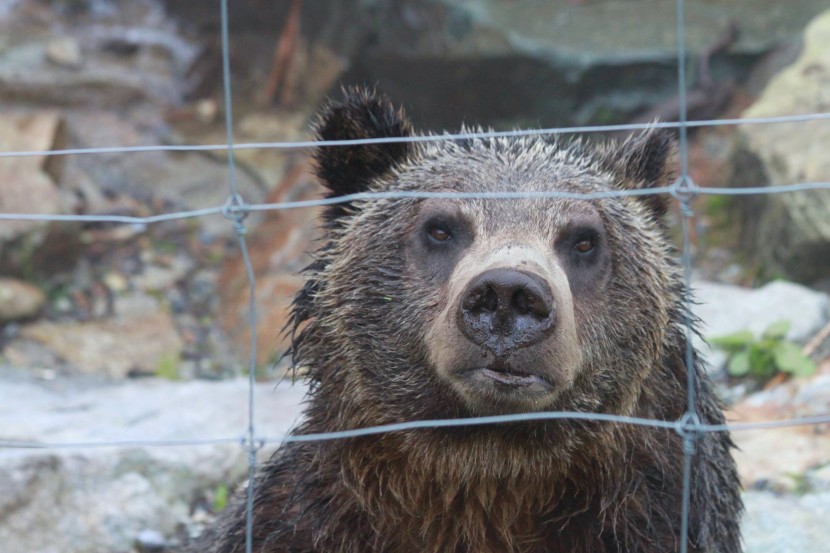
{"x":422,"y":308}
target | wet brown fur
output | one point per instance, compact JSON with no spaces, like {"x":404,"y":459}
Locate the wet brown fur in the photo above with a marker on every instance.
{"x":555,"y":486}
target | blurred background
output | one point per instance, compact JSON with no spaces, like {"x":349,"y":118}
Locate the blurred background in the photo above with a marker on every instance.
{"x":118,"y":332}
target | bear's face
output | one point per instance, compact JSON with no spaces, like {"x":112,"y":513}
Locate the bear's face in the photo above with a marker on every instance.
{"x":480,"y":306}
{"x":505,"y":338}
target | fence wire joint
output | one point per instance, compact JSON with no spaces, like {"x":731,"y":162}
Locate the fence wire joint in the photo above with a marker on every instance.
{"x":251,"y":444}
{"x":684,"y":190}
{"x":236,"y":210}
{"x":690,"y":429}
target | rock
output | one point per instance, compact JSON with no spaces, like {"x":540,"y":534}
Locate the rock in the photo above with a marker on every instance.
{"x":197,"y":306}
{"x":786,"y":524}
{"x":510,"y":64}
{"x":64,"y":51}
{"x":164,"y":274}
{"x":602,"y":61}
{"x":785,"y":470}
{"x":796,"y":448}
{"x":175,"y":180}
{"x":130,"y":54}
{"x":19,"y":300}
{"x":150,"y":541}
{"x":77,"y":500}
{"x":775,"y":455}
{"x":27,"y":186}
{"x":725,"y":309}
{"x":790,"y":233}
{"x":116,"y":282}
{"x":140,"y":339}
{"x":271,"y":165}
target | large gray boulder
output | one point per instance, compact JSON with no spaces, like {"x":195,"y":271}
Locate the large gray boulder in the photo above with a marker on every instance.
{"x":553,"y":63}
{"x":790,"y":233}
{"x":777,"y":523}
{"x":81,"y":500}
{"x":508,"y":64}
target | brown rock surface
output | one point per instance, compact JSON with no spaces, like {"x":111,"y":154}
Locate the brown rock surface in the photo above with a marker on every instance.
{"x":26,"y":185}
{"x":19,"y":300}
{"x":773,"y":454}
{"x":140,"y":339}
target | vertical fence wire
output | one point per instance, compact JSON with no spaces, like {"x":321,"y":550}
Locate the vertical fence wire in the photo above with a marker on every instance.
{"x":234,"y":210}
{"x":688,"y":450}
{"x":684,"y":192}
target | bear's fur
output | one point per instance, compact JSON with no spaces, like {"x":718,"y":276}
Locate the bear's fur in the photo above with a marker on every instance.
{"x":428,"y":308}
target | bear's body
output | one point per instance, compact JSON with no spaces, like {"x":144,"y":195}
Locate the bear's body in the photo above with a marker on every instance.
{"x":428,"y":308}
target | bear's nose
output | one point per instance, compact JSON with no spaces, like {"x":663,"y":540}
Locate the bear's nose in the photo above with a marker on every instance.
{"x":506,"y":309}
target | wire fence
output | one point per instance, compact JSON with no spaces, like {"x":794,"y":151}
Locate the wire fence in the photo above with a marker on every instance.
{"x":235,"y":209}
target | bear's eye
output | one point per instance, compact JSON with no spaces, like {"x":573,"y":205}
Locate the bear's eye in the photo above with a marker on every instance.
{"x":586,"y":245}
{"x":439,"y":234}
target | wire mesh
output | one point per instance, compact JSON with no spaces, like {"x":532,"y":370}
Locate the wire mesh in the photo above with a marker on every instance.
{"x":684,"y":190}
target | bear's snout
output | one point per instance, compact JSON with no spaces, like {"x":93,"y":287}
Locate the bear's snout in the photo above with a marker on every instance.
{"x":504,"y":310}
{"x":506,"y":340}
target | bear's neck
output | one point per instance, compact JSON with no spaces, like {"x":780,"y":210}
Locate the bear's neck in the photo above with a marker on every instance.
{"x":446,"y":492}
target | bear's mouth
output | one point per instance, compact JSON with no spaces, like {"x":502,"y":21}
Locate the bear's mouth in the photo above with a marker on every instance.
{"x":504,"y":377}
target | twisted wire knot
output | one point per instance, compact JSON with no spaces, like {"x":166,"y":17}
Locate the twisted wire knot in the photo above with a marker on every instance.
{"x":689,"y":428}
{"x":685,"y":190}
{"x":235,"y":210}
{"x":251,"y":444}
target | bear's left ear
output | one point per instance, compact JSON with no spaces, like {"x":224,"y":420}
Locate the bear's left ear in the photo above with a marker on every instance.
{"x":361,"y":114}
{"x":647,"y":160}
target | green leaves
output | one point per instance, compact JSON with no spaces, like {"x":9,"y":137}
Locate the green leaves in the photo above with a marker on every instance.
{"x":220,"y":497}
{"x":765,"y":356}
{"x":789,"y":359}
{"x":739,"y":364}
{"x":776,"y":331}
{"x":735,"y":341}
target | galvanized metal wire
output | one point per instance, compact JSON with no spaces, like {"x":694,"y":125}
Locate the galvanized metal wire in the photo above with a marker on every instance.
{"x":306,"y":144}
{"x":678,"y":426}
{"x":235,"y":209}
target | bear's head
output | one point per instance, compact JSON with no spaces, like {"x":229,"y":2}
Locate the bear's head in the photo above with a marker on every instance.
{"x":424,"y":307}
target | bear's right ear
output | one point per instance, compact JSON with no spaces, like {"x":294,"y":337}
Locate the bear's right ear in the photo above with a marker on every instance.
{"x":361,"y":114}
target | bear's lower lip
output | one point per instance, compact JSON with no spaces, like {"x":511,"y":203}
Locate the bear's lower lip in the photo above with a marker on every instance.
{"x":506,"y":379}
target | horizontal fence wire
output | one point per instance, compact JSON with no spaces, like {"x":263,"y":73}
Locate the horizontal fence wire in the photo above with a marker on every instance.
{"x":370,"y":196}
{"x":423,"y":424}
{"x":306,"y":144}
{"x":689,"y":427}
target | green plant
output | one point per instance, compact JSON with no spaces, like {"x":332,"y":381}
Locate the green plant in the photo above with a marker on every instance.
{"x":800,"y":483}
{"x":220,"y":497}
{"x":765,"y":356}
{"x":168,"y":367}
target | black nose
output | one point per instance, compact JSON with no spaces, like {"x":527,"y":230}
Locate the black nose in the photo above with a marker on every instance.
{"x":505,"y":309}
